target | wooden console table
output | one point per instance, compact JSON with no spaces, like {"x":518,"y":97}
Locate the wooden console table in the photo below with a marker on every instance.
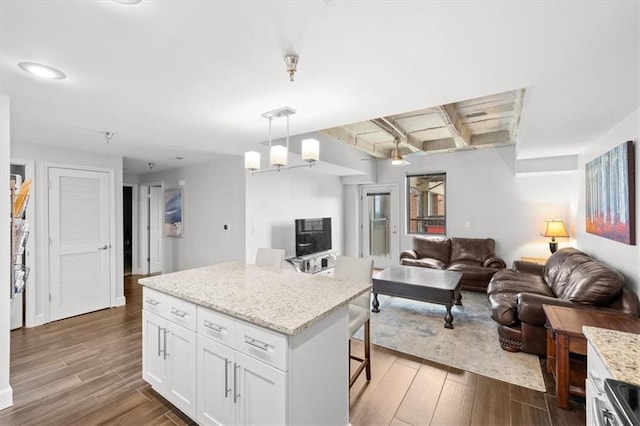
{"x":567,"y":346}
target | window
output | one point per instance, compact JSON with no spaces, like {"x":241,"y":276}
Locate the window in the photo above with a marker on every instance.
{"x":426,"y":212}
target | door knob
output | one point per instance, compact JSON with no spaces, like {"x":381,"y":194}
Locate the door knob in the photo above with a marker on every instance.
{"x":104,"y":247}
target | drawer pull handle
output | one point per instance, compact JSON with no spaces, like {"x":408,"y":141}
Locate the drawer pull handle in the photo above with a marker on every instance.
{"x":227,"y":389}
{"x":235,"y":383}
{"x":212,"y":326}
{"x":178,"y":312}
{"x":152,"y":302}
{"x":597,"y":382}
{"x":256,"y":343}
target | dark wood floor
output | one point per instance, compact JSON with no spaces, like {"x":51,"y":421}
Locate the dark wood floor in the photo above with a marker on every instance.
{"x":87,"y":370}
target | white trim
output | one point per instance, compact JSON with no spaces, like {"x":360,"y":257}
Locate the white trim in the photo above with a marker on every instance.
{"x":6,"y":397}
{"x":121,"y":301}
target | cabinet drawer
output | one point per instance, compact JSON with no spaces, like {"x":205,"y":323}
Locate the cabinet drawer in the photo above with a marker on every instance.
{"x":266,"y":345}
{"x":181,"y":312}
{"x":154,"y":301}
{"x":596,"y":371}
{"x":216,"y":326}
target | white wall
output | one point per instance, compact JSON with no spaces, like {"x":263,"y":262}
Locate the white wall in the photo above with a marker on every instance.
{"x":46,"y":154}
{"x":482,"y":189}
{"x":214,"y":195}
{"x":6,"y":394}
{"x":274,"y":200}
{"x":621,"y":256}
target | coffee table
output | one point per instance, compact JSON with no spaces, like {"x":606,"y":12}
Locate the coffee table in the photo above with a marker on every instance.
{"x":423,"y":284}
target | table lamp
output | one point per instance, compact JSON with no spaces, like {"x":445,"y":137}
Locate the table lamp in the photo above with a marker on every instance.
{"x":554,"y":228}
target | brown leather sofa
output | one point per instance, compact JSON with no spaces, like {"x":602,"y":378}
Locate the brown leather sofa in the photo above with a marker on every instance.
{"x":569,"y":278}
{"x":474,"y":257}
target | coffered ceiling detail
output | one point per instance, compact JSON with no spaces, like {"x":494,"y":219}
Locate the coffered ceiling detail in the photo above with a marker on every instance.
{"x":485,"y":122}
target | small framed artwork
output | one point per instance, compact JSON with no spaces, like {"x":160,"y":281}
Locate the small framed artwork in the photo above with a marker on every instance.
{"x":610,"y":194}
{"x":173,"y":203}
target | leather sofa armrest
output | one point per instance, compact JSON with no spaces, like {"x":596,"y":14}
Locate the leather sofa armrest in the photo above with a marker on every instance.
{"x":494,"y":262}
{"x":530,"y":307}
{"x":408,"y":254}
{"x":528,"y":267}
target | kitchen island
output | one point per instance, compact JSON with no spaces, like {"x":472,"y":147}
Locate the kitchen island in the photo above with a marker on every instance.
{"x":235,"y":343}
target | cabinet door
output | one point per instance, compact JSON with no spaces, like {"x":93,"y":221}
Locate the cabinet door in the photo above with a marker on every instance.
{"x":260,"y":390}
{"x":153,"y":344}
{"x":181,"y":368}
{"x":215,"y":386}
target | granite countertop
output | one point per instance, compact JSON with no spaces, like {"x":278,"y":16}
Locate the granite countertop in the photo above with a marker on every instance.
{"x":619,"y":350}
{"x":281,"y":300}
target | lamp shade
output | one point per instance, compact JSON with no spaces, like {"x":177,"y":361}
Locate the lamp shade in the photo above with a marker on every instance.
{"x":555,"y":228}
{"x":278,"y":155}
{"x":252,"y":160}
{"x":310,"y":150}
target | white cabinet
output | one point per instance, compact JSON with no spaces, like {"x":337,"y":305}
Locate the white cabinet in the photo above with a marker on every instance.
{"x":236,"y":387}
{"x":219,"y":369}
{"x":169,"y":357}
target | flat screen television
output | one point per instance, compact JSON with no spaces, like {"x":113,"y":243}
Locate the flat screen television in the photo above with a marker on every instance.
{"x":313,"y":235}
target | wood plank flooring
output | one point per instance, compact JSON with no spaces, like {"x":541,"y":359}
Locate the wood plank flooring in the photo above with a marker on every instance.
{"x":87,"y":370}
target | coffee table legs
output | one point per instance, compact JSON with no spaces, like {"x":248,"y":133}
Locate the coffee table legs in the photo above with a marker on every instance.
{"x":448,"y":318}
{"x":375,"y":304}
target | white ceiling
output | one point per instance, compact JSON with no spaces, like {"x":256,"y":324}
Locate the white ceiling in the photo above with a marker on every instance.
{"x":191,"y":78}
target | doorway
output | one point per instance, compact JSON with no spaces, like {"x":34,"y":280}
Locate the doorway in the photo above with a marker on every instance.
{"x":379,"y":224}
{"x":151,"y":228}
{"x":127,"y":227}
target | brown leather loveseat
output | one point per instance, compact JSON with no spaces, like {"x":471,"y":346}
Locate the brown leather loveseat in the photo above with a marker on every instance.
{"x":474,"y":257}
{"x":569,"y":278}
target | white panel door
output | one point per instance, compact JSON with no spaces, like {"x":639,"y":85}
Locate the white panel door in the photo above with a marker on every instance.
{"x":156,"y":223}
{"x":215,"y":387}
{"x":379,"y":224}
{"x":79,"y":245}
{"x":260,"y":392}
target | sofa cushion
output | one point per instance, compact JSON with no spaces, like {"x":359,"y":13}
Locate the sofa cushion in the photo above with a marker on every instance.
{"x":474,"y":249}
{"x":510,"y":281}
{"x":593,"y":283}
{"x":560,"y":266}
{"x":426,"y":262}
{"x":435,"y":248}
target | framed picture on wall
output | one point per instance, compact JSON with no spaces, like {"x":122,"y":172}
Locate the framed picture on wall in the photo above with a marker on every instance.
{"x":173,"y":203}
{"x":610,"y":194}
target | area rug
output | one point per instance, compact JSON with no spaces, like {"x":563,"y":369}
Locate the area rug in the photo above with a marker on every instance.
{"x":417,"y":328}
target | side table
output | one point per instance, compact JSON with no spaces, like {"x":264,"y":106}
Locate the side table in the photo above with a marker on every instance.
{"x":565,"y":338}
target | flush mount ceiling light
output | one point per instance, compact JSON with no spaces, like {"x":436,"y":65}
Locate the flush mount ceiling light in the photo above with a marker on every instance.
{"x":41,"y":70}
{"x":292,"y":65}
{"x":278,"y":154}
{"x":127,"y":1}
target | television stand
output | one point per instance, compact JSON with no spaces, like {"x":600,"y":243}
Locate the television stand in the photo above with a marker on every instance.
{"x":315,"y":263}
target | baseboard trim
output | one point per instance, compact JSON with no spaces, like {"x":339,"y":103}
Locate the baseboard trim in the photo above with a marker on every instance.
{"x":121,"y":301}
{"x":6,"y":397}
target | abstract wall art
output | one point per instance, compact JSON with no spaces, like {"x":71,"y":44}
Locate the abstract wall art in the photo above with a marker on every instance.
{"x":610,"y":194}
{"x":173,"y":213}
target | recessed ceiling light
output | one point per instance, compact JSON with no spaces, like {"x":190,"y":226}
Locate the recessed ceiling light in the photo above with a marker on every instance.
{"x":177,"y":158}
{"x":127,"y":1}
{"x":43,"y":71}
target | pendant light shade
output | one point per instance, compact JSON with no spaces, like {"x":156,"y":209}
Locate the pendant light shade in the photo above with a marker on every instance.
{"x":310,"y":150}
{"x":252,"y":160}
{"x":278,"y":155}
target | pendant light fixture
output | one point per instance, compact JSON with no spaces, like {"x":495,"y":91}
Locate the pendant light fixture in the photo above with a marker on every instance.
{"x":278,"y":154}
{"x":396,"y":158}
